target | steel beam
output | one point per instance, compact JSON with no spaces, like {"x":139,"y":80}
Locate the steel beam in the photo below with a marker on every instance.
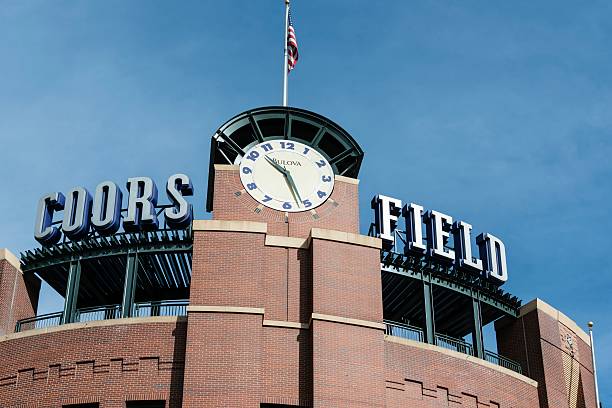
{"x":129,"y":285}
{"x":430,"y":326}
{"x":460,"y":287}
{"x":477,"y":339}
{"x":72,"y":291}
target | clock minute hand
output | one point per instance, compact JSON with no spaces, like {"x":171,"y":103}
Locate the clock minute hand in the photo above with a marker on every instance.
{"x":276,"y":165}
{"x":293,"y":187}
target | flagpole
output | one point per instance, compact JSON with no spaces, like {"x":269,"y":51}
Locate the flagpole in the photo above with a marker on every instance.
{"x":594,"y":369}
{"x":285,"y":69}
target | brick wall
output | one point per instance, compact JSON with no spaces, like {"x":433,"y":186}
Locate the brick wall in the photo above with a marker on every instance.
{"x":419,"y":375}
{"x":18,"y":294}
{"x":348,"y":351}
{"x":554,"y":351}
{"x":107,"y":362}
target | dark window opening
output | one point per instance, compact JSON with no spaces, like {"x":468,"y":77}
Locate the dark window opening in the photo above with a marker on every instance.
{"x":303,"y":130}
{"x":279,"y":406}
{"x":145,"y":404}
{"x":272,"y":127}
{"x":331,"y":145}
{"x":243,"y":136}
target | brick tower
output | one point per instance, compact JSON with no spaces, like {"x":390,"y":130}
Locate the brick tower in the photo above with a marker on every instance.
{"x":259,"y":330}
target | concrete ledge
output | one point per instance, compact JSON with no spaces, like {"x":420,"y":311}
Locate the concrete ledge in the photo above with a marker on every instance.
{"x":346,"y":237}
{"x":227,"y":167}
{"x":461,"y":356}
{"x":10,"y":258}
{"x":539,"y":304}
{"x":287,"y":242}
{"x":225,"y":309}
{"x":232,"y":226}
{"x":346,"y":179}
{"x":291,"y":325}
{"x":348,"y":320}
{"x":96,"y":323}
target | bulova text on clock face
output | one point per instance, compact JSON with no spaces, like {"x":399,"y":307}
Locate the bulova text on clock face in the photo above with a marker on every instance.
{"x":286,"y":175}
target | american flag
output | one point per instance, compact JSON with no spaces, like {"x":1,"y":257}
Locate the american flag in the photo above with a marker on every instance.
{"x":292,"y":45}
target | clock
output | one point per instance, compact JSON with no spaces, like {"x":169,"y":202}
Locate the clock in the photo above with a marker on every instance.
{"x":286,"y":175}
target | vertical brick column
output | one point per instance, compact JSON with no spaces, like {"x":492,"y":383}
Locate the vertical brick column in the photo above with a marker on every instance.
{"x":224,"y":340}
{"x":554,"y":351}
{"x":18,"y":293}
{"x":347,"y":328}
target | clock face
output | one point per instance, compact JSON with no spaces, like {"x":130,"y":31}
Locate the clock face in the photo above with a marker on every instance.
{"x":286,"y":175}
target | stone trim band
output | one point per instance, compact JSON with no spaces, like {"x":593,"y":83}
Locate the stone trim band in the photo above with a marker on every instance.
{"x":10,"y":258}
{"x":287,"y":242}
{"x":348,"y":320}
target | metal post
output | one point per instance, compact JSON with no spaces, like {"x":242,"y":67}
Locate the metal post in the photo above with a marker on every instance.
{"x":72,"y":292}
{"x":129,"y":286}
{"x":594,"y":368}
{"x":477,"y":340}
{"x":155,"y":307}
{"x":286,"y":72}
{"x":430,"y":326}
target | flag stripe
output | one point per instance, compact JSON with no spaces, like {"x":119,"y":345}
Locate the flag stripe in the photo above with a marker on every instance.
{"x":292,"y":45}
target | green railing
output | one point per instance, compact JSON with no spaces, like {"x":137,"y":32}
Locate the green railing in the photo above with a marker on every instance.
{"x":163,"y":308}
{"x":403,"y":330}
{"x":39,"y":322}
{"x":416,"y":334}
{"x":454,"y":344}
{"x":106,"y":312}
{"x":491,"y":357}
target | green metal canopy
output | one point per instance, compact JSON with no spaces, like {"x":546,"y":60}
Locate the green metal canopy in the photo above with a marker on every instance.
{"x":163,"y":261}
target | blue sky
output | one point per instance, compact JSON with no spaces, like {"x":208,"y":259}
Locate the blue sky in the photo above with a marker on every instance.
{"x":497,"y":113}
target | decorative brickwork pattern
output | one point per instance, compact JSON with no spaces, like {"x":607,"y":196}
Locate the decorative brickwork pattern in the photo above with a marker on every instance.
{"x":108,"y":365}
{"x":427,"y":378}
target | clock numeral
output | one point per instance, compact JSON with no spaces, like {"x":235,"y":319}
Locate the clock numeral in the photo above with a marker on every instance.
{"x":321,"y":163}
{"x":287,"y":206}
{"x":266,"y":198}
{"x":251,"y":186}
{"x":267,"y":147}
{"x":306,"y":150}
{"x":321,"y":194}
{"x":253,"y":155}
{"x":287,"y":145}
{"x":307,"y":203}
{"x":326,"y":179}
{"x":247,"y":170}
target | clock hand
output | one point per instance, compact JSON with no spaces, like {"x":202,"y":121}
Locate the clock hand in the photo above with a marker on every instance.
{"x":293,"y":187}
{"x":288,"y":178}
{"x":276,"y":165}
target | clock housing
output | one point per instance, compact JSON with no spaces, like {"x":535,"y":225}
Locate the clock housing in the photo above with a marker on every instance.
{"x":286,"y":175}
{"x":235,"y":137}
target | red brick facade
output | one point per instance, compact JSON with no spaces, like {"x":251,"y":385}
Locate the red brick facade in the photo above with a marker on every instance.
{"x":283,"y":310}
{"x":554,"y":351}
{"x":128,"y":359}
{"x":18,"y":297}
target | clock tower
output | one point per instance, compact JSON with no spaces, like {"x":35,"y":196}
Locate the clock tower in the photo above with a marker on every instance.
{"x":284,"y":286}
